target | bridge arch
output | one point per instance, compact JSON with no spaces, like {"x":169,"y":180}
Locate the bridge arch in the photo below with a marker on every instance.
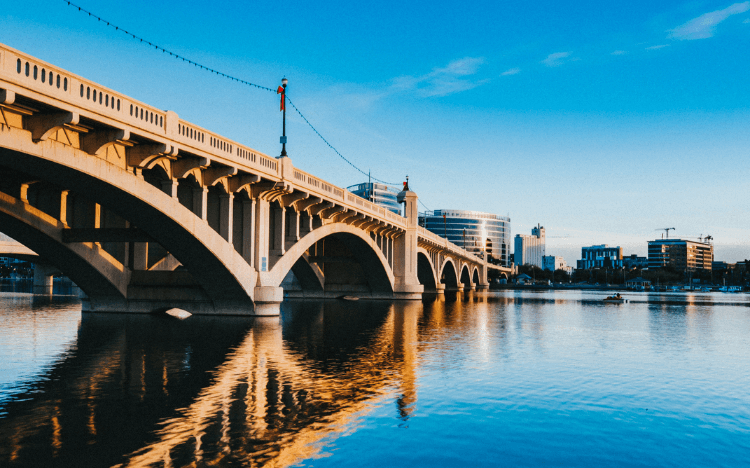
{"x":475,"y":276}
{"x":365,"y":251}
{"x":465,"y":276}
{"x":225,"y":277}
{"x":89,"y":267}
{"x":449,"y":274}
{"x":426,"y":270}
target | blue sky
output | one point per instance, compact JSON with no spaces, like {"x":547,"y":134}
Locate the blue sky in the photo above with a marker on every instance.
{"x":601,"y":122}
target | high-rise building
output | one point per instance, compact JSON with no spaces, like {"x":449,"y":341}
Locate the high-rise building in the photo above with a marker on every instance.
{"x":475,"y":231}
{"x":529,"y":250}
{"x":380,"y":194}
{"x":680,"y":254}
{"x":600,"y":256}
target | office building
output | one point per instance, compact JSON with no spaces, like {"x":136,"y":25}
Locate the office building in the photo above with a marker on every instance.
{"x":381,"y":194}
{"x":634,"y":261}
{"x":680,"y":254}
{"x":475,"y":231}
{"x":529,"y":250}
{"x":553,"y":263}
{"x":600,"y":256}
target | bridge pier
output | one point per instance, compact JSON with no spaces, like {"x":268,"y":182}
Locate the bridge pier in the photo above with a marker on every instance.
{"x":405,"y":249}
{"x":268,"y":300}
{"x":43,"y":278}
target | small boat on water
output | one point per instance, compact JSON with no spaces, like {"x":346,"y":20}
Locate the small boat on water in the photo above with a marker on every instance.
{"x":616,"y":299}
{"x":349,"y":298}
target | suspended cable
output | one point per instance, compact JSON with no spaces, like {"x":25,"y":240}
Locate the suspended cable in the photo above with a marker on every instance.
{"x":172,"y":54}
{"x":334,"y":149}
{"x":211,"y":70}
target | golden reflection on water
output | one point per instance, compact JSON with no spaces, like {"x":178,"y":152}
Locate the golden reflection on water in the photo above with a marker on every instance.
{"x":268,"y":383}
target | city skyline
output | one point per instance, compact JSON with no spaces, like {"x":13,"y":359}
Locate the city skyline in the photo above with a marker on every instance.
{"x":603,"y":123}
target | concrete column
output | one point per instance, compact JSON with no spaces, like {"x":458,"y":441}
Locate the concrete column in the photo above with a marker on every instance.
{"x":279,"y":228}
{"x":306,"y":224}
{"x":140,"y":256}
{"x":43,"y":279}
{"x":200,"y":202}
{"x":169,"y":187}
{"x":97,"y":216}
{"x":484,"y":282}
{"x":248,"y":231}
{"x":293,"y":230}
{"x":406,"y":284}
{"x":226,"y":215}
{"x":64,"y":207}
{"x":262,"y":234}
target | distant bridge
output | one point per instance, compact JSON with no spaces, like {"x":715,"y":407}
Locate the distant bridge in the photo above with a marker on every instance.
{"x":145,"y":211}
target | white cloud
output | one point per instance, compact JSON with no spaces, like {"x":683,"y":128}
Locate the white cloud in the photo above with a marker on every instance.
{"x":453,"y":78}
{"x":556,"y":59}
{"x":618,"y":52}
{"x":656,"y":47}
{"x":703,"y":26}
{"x":512,"y":71}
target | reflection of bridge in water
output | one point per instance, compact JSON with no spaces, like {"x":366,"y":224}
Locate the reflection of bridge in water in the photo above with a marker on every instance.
{"x":145,"y":211}
{"x":272,"y":400}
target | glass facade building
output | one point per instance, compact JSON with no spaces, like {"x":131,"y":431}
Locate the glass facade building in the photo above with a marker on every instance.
{"x":381,"y":194}
{"x":680,"y":254}
{"x":475,"y":231}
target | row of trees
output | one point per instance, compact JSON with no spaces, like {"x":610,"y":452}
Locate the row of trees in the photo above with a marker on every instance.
{"x":738,"y":275}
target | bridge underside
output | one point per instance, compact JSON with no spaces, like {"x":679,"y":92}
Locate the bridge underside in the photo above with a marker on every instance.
{"x":144,"y":211}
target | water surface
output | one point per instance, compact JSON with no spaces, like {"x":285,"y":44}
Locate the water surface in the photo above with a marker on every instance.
{"x":553,"y":378}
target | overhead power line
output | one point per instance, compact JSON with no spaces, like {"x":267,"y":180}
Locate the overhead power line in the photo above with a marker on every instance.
{"x":217,"y":72}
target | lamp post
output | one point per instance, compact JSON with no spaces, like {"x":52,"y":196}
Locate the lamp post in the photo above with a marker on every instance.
{"x":283,"y":118}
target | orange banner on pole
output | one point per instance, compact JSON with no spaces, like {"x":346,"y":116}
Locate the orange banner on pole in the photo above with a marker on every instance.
{"x":280,"y":90}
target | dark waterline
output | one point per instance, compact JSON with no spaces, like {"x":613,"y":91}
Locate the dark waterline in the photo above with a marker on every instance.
{"x":494,"y":379}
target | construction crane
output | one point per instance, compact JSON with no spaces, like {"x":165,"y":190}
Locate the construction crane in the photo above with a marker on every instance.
{"x":665,"y":230}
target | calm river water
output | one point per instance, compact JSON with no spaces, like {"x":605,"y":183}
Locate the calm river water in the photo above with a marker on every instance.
{"x":509,"y":378}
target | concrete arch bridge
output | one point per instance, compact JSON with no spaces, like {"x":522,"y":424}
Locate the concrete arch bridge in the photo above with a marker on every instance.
{"x":146,"y":211}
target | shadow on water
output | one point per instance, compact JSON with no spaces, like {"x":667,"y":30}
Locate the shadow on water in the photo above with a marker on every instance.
{"x":125,"y":373}
{"x":141,"y":390}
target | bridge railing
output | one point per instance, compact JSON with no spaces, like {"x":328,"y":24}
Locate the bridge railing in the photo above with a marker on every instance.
{"x":447,"y":245}
{"x":59,"y":84}
{"x":95,"y":101}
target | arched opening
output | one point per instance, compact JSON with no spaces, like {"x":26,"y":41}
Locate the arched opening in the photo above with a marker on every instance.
{"x":465,"y":277}
{"x":217,"y":281}
{"x":190,"y":193}
{"x":425,"y":272}
{"x":448,"y":276}
{"x":475,"y":277}
{"x":333,"y":261}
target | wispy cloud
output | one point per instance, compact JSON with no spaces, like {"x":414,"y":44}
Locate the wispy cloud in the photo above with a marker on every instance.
{"x":657,"y":47}
{"x":618,"y":52}
{"x":556,"y":59}
{"x":453,"y":78}
{"x":704,"y":26}
{"x":512,"y":71}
